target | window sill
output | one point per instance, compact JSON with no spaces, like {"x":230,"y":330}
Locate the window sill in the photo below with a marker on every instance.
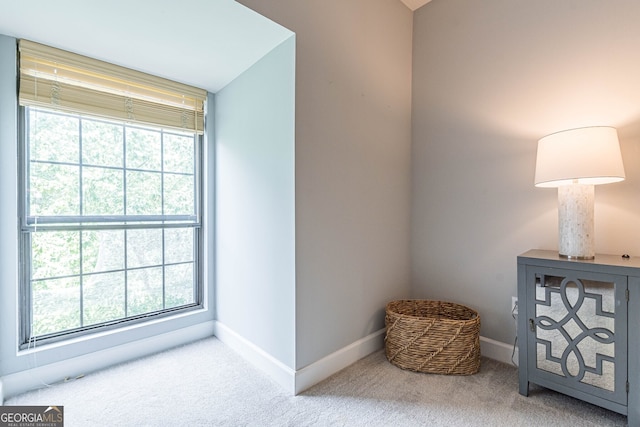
{"x":101,"y":340}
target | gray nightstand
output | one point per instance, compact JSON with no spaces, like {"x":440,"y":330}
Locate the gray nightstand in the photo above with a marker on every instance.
{"x":578,"y":328}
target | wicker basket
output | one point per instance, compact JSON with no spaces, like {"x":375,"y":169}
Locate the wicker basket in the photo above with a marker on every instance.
{"x":433,"y":336}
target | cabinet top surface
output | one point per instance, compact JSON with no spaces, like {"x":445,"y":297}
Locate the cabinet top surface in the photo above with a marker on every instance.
{"x":600,"y":259}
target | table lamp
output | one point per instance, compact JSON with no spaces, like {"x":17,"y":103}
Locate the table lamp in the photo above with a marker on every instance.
{"x":575,"y":161}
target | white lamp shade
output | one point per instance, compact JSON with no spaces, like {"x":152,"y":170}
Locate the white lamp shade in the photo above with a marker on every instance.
{"x":584,"y":156}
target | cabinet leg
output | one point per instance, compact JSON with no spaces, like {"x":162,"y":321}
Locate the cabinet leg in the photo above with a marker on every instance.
{"x":633,"y":411}
{"x":524,"y":387}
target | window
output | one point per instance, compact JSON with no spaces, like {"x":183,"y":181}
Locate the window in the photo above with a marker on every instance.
{"x":110,"y":212}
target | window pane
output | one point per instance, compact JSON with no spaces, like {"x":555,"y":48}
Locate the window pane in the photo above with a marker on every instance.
{"x":102,"y":143}
{"x":56,"y":305}
{"x":178,"y":195}
{"x":178,"y":153}
{"x":54,"y":189}
{"x":104,"y":298}
{"x":178,"y":245}
{"x":144,"y":193}
{"x":86,"y":275}
{"x":102,"y":191}
{"x":102,"y":251}
{"x":144,"y":248}
{"x":55,"y":254}
{"x":53,"y":137}
{"x":143,"y":149}
{"x":144,"y":290}
{"x":179,"y":285}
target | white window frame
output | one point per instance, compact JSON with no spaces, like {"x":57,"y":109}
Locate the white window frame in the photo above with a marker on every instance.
{"x":28,"y":225}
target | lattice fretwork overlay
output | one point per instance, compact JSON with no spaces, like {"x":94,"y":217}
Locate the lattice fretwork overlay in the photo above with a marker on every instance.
{"x":575,"y":333}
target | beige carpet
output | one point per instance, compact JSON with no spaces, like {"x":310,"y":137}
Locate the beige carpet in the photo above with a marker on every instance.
{"x":207,"y":384}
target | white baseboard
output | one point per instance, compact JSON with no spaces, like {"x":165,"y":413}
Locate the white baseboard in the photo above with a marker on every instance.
{"x":329,"y":365}
{"x":20,"y":382}
{"x":497,"y":350}
{"x":296,"y":381}
{"x":278,"y":371}
{"x":293,"y":381}
{"x":336,"y":361}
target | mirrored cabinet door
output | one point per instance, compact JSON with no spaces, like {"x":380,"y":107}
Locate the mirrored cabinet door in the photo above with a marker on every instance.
{"x":577,"y":325}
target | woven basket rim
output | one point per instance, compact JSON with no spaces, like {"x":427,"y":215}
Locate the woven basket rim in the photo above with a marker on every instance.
{"x":474,"y":316}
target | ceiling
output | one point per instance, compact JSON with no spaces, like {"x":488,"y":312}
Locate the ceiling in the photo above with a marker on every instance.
{"x":204,"y":43}
{"x":415,"y":4}
{"x":207,"y":49}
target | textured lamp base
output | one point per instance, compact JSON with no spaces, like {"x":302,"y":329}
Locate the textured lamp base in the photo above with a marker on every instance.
{"x":575,"y":221}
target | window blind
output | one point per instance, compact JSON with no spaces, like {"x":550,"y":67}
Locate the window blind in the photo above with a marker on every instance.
{"x":55,"y":78}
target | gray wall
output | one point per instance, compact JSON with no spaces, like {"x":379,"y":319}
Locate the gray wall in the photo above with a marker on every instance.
{"x":255,"y":204}
{"x":489,"y":79}
{"x":353,"y":111}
